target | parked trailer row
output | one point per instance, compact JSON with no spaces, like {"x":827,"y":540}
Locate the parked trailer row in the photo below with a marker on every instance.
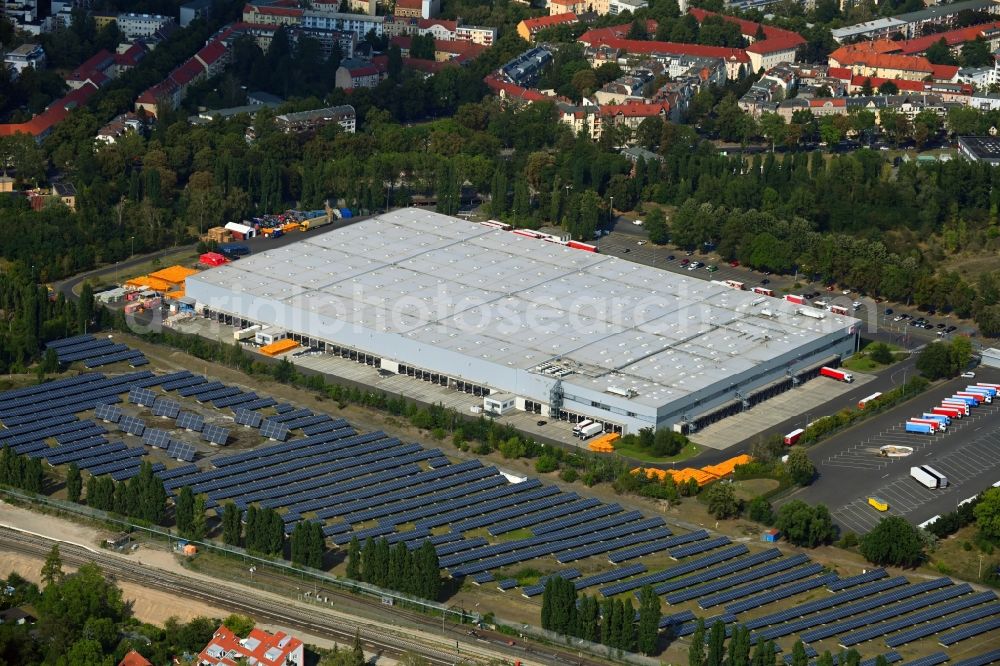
{"x":929,"y":477}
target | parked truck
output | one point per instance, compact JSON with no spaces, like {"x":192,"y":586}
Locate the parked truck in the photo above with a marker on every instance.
{"x":838,"y":310}
{"x":793,"y":437}
{"x":956,"y":404}
{"x":979,"y":398}
{"x":985,"y":392}
{"x":763,"y":291}
{"x":929,"y":477}
{"x":794,"y":298}
{"x":834,"y":373}
{"x":942,"y":418}
{"x":936,"y":425}
{"x":967,"y":399}
{"x":580,"y":426}
{"x":591,"y":430}
{"x":864,"y":402}
{"x":922,"y":428}
{"x":950,"y":412}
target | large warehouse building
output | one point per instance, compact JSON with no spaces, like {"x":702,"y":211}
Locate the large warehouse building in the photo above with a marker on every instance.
{"x":563,"y":332}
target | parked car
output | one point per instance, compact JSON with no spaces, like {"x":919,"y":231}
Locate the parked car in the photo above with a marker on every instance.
{"x":685,"y":262}
{"x":670,"y":258}
{"x":968,"y":375}
{"x":712,"y":268}
{"x":641,"y":243}
{"x":888,"y":311}
{"x":734,"y":263}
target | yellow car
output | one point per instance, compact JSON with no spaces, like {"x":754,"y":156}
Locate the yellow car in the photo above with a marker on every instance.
{"x":878,"y":503}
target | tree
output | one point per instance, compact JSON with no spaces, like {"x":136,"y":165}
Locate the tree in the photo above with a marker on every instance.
{"x":232,"y":524}
{"x":184,"y":511}
{"x":85,"y":308}
{"x":241,"y":625}
{"x":760,"y":510}
{"x":987,"y":513}
{"x":888,"y":88}
{"x":799,"y":656}
{"x":800,"y":469}
{"x":939,"y":53}
{"x":656,"y":227}
{"x":716,"y":644}
{"x":880,"y":353}
{"x":199,"y":527}
{"x":696,"y":652}
{"x":74,"y":483}
{"x":935,"y":361}
{"x":649,"y":620}
{"x":894,"y":541}
{"x":354,"y":559}
{"x":52,"y":572}
{"x":722,"y":502}
{"x":976,"y":53}
{"x":804,"y":525}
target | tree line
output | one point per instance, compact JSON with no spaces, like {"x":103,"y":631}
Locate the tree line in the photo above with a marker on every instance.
{"x":611,"y":622}
{"x":416,"y":572}
{"x":308,"y":544}
{"x":142,"y":497}
{"x":21,"y":471}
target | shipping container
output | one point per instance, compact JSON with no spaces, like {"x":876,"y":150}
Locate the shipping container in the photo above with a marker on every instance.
{"x":834,"y":373}
{"x":865,"y":401}
{"x":793,"y":437}
{"x":246,"y":333}
{"x":942,"y":480}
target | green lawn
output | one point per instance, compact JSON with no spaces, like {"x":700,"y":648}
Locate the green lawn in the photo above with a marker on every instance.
{"x":860,"y":362}
{"x":689,"y":451}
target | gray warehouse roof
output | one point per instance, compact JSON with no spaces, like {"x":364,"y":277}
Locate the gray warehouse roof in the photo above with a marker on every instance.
{"x":519,"y":302}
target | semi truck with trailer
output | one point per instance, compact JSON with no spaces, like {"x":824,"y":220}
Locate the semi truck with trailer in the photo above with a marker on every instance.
{"x":246,"y":333}
{"x":794,"y":298}
{"x":985,"y":392}
{"x":580,"y":426}
{"x":838,"y":310}
{"x":834,"y":373}
{"x":943,"y":418}
{"x":937,"y":425}
{"x":591,"y":430}
{"x":991,"y":389}
{"x":929,"y":477}
{"x":967,"y":399}
{"x":763,"y":291}
{"x":979,"y":398}
{"x":922,"y":428}
{"x":793,"y":437}
{"x":950,"y":412}
{"x":959,"y":404}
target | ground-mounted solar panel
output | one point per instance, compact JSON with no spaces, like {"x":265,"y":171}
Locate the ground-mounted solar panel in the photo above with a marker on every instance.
{"x":249,"y":418}
{"x":132,"y":425}
{"x":215,"y":434}
{"x":507,"y":584}
{"x":183,"y":382}
{"x":482,"y":578}
{"x":156,"y":437}
{"x":166,"y":407}
{"x":273,"y":430}
{"x":259,"y":403}
{"x":970,"y":631}
{"x":181,"y":450}
{"x":133,"y":357}
{"x":190,"y":421}
{"x":932,"y":613}
{"x":141,"y":396}
{"x":983,"y":659}
{"x":699,"y":547}
{"x":69,"y":342}
{"x":233,"y":400}
{"x":867,"y":577}
{"x":109,"y":413}
{"x":929,"y":660}
{"x":929,"y":628}
{"x":283,"y":407}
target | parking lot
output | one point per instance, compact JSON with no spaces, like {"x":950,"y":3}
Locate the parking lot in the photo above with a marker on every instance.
{"x":851,"y":470}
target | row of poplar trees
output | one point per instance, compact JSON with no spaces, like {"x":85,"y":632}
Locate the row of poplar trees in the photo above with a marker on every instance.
{"x":709,"y":648}
{"x":308,"y":544}
{"x":611,"y":622}
{"x":142,"y":497}
{"x":21,"y":471}
{"x":415,"y":572}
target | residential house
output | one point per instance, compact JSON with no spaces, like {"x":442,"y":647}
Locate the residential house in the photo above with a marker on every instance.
{"x":557,"y":7}
{"x":616,"y":7}
{"x":425,"y":9}
{"x":259,"y":647}
{"x":118,"y":127}
{"x":359,"y":74}
{"x":98,"y":70}
{"x":528,"y":28}
{"x":907,"y":105}
{"x":525,"y":69}
{"x":869,"y":59}
{"x":476,"y":34}
{"x":24,"y":56}
{"x":41,"y":125}
{"x":989,"y":32}
{"x":581,"y":118}
{"x":629,"y":52}
{"x":359,"y":24}
{"x":127,"y":57}
{"x":66,"y":194}
{"x":913,"y":24}
{"x":308,"y":121}
{"x":625,"y":88}
{"x":632,"y":114}
{"x":444,"y":51}
{"x":133,"y":658}
{"x":272,"y":15}
{"x":213,"y":58}
{"x":513,"y":93}
{"x":134,"y":26}
{"x":437,"y":28}
{"x":17,"y":616}
{"x":776,"y":46}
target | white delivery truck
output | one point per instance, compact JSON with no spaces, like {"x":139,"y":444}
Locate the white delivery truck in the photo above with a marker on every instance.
{"x":591,"y":430}
{"x":928,"y":477}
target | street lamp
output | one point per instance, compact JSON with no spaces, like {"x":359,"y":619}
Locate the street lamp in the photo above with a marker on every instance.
{"x":132,"y":252}
{"x":611,"y":211}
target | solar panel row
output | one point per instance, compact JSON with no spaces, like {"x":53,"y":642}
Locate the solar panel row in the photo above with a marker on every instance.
{"x":709,"y":586}
{"x":781,"y":592}
{"x":930,"y":628}
{"x":699,"y":547}
{"x":541,"y":516}
{"x":929,"y":660}
{"x":673,"y":572}
{"x":233,"y":400}
{"x":759,"y":586}
{"x":867,"y":577}
{"x":821,"y":604}
{"x":611,"y":544}
{"x":924,"y":616}
{"x":980,"y":660}
{"x":970,"y":631}
{"x":610,"y":576}
{"x":721,"y":570}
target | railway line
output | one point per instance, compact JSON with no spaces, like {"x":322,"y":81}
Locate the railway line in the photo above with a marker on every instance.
{"x":488,"y":645}
{"x":314,"y":622}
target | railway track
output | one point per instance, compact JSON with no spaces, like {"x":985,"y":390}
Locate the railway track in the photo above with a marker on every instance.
{"x":239,"y":601}
{"x":488,"y":646}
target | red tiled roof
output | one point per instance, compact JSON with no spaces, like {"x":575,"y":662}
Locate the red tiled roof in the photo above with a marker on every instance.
{"x":100,"y":61}
{"x":133,"y":658}
{"x":535,"y":24}
{"x":944,"y":72}
{"x":188,"y":72}
{"x":410,"y":4}
{"x":905,"y":85}
{"x":265,"y":648}
{"x":513,"y":90}
{"x":131,"y":56}
{"x":53,"y":115}
{"x":428,"y":66}
{"x":842,"y":73}
{"x":819,"y":102}
{"x":641,"y":46}
{"x":153,"y":94}
{"x":775,"y":39}
{"x":635,"y":109}
{"x":848,"y":56}
{"x":272,"y":10}
{"x":611,"y":31}
{"x":423,"y":24}
{"x":951,"y":38}
{"x":211,"y":53}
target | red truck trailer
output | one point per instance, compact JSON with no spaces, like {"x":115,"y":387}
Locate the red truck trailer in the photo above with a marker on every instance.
{"x":834,"y":373}
{"x":793,"y":437}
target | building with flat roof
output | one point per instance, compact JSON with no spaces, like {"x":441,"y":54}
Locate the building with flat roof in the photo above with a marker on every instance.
{"x":259,"y":647}
{"x":570,"y":333}
{"x":980,"y":148}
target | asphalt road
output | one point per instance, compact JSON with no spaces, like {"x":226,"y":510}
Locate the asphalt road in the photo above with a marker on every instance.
{"x":850,"y":468}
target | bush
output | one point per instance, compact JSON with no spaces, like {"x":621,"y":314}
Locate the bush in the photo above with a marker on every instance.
{"x":894,"y":541}
{"x":546,"y":463}
{"x":880,"y":353}
{"x":849,"y":540}
{"x":800,"y":469}
{"x":569,"y":475}
{"x":761,"y":511}
{"x":241,"y":625}
{"x":804,"y":525}
{"x":722,"y":502}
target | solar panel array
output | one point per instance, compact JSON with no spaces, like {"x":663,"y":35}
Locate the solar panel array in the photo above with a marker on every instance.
{"x":190,"y":421}
{"x":181,"y":450}
{"x":867,"y":577}
{"x":992,"y":624}
{"x":214,"y":434}
{"x":249,"y":418}
{"x":108,"y":413}
{"x":156,"y":437}
{"x":94,"y":352}
{"x":141,"y":396}
{"x":132,"y":425}
{"x":165,"y":407}
{"x":274,"y":430}
{"x":981,"y":659}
